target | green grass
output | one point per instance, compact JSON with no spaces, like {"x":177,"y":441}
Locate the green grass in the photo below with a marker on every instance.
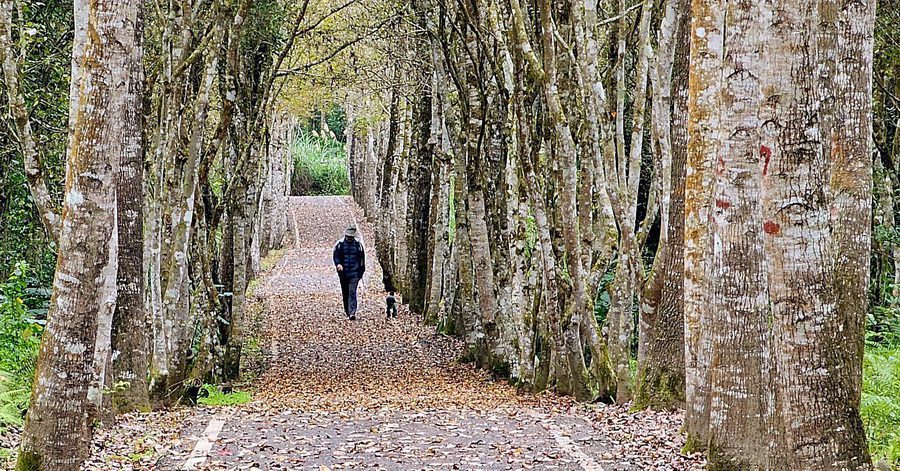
{"x":215,"y":397}
{"x":320,"y":167}
{"x":881,"y":402}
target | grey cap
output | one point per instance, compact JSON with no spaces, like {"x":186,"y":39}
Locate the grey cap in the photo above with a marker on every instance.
{"x":351,"y":231}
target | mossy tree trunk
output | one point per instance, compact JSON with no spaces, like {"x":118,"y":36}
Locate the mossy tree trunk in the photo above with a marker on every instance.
{"x":71,"y":370}
{"x":660,"y":377}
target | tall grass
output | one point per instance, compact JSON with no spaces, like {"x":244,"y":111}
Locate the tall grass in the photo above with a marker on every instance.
{"x":320,"y":167}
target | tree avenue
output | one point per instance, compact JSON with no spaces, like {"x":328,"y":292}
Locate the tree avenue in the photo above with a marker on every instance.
{"x":661,"y":203}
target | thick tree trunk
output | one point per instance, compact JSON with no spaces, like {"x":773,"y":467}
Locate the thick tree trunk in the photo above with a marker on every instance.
{"x":817,"y":286}
{"x":729,"y":378}
{"x":851,"y":184}
{"x":703,"y":144}
{"x":385,"y":196}
{"x":418,"y":212}
{"x":238,"y":297}
{"x":442,"y":269}
{"x":440,"y":232}
{"x":773,"y":331}
{"x":69,"y":385}
{"x":462,"y":246}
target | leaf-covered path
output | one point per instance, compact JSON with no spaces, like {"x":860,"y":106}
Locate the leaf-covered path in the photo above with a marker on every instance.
{"x":371,"y":394}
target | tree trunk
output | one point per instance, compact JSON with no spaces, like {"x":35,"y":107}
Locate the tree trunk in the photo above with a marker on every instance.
{"x":238,"y":297}
{"x":703,"y":144}
{"x":625,"y":289}
{"x":386,"y":197}
{"x":660,"y":379}
{"x":130,"y":339}
{"x":69,"y":385}
{"x":772,"y":374}
{"x":420,"y":166}
{"x":442,"y":269}
{"x":817,"y":229}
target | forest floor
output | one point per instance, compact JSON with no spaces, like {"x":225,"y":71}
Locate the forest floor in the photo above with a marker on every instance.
{"x":330,"y":393}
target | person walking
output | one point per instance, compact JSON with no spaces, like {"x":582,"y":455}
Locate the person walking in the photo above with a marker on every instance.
{"x":350,"y":263}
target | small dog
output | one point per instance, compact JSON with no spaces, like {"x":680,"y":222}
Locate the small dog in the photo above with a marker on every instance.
{"x":391,"y":308}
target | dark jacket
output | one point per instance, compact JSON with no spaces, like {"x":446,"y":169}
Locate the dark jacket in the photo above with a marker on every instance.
{"x":352,"y":256}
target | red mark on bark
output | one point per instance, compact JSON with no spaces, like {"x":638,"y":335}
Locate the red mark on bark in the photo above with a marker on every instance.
{"x":720,"y":166}
{"x":722,"y":204}
{"x":771,"y":227}
{"x":766,"y":154}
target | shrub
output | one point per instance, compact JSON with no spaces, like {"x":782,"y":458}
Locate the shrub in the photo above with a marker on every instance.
{"x":320,"y":167}
{"x":13,"y":401}
{"x":883,"y":325}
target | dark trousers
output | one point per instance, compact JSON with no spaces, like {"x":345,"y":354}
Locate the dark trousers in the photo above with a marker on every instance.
{"x":348,"y":290}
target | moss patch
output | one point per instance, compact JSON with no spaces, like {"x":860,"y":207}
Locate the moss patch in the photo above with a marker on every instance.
{"x":663,"y":390}
{"x":718,"y":461}
{"x":28,"y":461}
{"x":693,"y":445}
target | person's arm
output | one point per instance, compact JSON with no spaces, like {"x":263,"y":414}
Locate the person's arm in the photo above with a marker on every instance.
{"x":336,"y":256}
{"x":362,"y":259}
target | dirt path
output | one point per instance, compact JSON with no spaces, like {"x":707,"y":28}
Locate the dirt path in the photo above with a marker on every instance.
{"x":372,"y":394}
{"x":318,"y":360}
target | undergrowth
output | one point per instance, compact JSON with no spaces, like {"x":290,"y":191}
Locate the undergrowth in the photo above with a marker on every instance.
{"x":20,"y":337}
{"x":880,"y":407}
{"x":13,"y":401}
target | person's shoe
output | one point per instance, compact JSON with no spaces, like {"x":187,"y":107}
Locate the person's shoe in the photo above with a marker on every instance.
{"x":352,"y":317}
